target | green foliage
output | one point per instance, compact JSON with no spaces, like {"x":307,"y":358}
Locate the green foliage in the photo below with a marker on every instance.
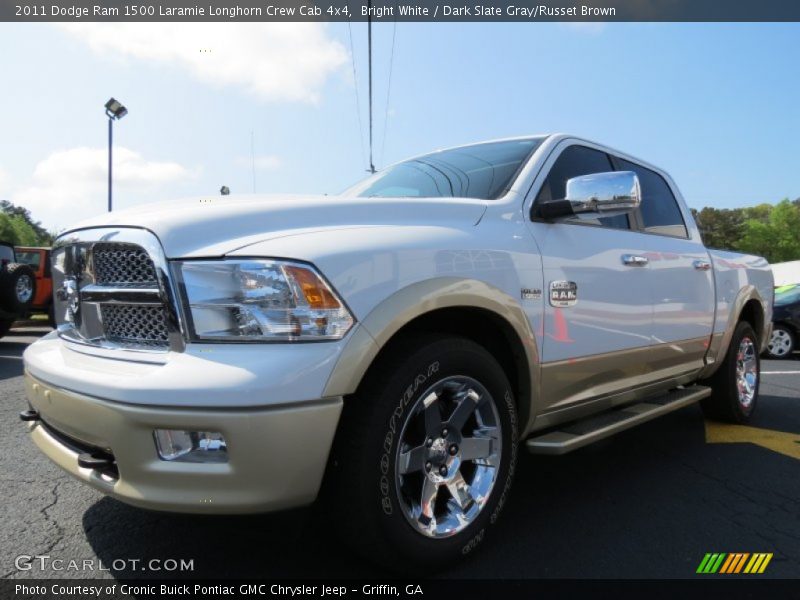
{"x":7,"y":233}
{"x":720,"y":228}
{"x":17,"y":227}
{"x":25,"y":234}
{"x":777,"y":238}
{"x":766,"y":230}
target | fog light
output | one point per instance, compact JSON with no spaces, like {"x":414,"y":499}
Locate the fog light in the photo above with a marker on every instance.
{"x":191,"y":446}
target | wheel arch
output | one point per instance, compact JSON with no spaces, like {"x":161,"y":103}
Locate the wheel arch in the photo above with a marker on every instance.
{"x":452,"y":306}
{"x":747,"y":306}
{"x":753,"y":313}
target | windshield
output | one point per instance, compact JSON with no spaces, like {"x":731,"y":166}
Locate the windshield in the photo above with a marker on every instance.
{"x":484,"y":171}
{"x":789,"y":296}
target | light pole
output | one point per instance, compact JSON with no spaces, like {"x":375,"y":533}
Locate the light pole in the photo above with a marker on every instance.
{"x":114,"y":111}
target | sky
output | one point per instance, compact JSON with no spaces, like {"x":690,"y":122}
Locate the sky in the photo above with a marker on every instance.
{"x":716,"y":105}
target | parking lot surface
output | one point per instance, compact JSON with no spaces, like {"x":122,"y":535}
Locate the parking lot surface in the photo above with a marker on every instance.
{"x":648,"y":503}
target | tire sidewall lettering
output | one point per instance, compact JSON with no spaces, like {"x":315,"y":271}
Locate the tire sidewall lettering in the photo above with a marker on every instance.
{"x":385,"y":462}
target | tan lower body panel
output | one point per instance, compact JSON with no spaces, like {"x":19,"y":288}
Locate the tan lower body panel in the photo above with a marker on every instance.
{"x":276,"y":456}
{"x":576,"y":380}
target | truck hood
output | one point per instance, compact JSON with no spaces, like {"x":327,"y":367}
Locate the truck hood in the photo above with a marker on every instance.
{"x":215,"y":225}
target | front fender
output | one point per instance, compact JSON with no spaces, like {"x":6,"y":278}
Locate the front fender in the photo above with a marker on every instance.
{"x":408,"y":303}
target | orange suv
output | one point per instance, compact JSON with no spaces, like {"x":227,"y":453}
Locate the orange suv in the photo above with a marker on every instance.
{"x":38,"y":259}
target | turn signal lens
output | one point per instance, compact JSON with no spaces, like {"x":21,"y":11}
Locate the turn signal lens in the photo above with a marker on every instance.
{"x":314,"y":290}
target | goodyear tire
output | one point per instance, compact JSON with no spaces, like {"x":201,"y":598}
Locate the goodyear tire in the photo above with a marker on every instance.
{"x":735,"y":384}
{"x":425,"y":454}
{"x":18,"y":289}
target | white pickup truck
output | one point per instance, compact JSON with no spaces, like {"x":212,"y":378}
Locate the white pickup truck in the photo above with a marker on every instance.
{"x":389,"y":349}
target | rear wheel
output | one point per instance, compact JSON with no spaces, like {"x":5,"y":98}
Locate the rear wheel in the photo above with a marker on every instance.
{"x":735,"y":384}
{"x":425,"y":455}
{"x":781,"y":343}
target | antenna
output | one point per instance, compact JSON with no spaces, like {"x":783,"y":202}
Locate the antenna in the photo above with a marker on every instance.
{"x":253,"y":157}
{"x":369,"y":52}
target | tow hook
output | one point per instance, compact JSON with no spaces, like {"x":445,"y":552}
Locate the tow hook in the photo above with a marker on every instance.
{"x":94,"y":461}
{"x":29,"y":415}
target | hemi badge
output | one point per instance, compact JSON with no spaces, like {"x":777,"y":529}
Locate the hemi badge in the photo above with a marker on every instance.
{"x":563,"y":293}
{"x":531,"y":294}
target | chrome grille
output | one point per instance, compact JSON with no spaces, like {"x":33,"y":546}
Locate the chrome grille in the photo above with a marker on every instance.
{"x":135,"y":325}
{"x":113,"y":290}
{"x":122,"y":265}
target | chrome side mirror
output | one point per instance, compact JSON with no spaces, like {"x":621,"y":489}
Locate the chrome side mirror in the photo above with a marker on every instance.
{"x":606,"y":194}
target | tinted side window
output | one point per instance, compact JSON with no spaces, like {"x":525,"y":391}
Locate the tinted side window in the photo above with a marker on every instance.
{"x":6,"y":253}
{"x":573,"y":162}
{"x":660,"y":210}
{"x":30,"y":258}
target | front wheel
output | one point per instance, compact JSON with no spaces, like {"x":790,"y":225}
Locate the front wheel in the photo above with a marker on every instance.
{"x":781,"y":343}
{"x":425,"y":456}
{"x":735,"y":384}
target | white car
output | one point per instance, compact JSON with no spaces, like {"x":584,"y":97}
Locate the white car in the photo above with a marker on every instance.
{"x":394,"y":345}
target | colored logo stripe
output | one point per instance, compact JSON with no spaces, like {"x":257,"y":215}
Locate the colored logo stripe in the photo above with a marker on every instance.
{"x":711,"y":563}
{"x":721,"y":562}
{"x":734,"y":563}
{"x":758,"y":564}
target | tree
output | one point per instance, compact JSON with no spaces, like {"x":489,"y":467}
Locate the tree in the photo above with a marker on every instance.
{"x":7,"y":233}
{"x":25,"y":234}
{"x":760,"y":212}
{"x":720,"y":228}
{"x":777,"y":238}
{"x":16,"y":230}
{"x":41,"y":237}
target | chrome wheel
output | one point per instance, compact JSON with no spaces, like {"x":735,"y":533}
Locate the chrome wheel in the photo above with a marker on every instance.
{"x":780,"y":343}
{"x":746,"y":372}
{"x":24,"y":289}
{"x":448,"y":456}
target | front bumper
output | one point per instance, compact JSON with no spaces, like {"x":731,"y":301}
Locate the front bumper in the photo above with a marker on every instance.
{"x":276,"y":455}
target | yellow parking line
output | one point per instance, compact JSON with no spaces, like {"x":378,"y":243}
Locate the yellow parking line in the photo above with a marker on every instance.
{"x":782,"y":442}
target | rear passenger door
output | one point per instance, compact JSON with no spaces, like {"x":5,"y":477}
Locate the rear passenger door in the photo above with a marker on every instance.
{"x":592,"y":346}
{"x":681,"y":276}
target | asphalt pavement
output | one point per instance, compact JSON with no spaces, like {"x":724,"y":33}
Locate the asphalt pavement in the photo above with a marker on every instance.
{"x":647,"y":503}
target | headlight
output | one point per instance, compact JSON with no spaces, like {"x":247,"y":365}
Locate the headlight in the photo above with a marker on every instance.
{"x":261,"y":300}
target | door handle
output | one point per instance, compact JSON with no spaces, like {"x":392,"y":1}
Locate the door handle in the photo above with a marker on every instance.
{"x":634,"y":260}
{"x":702,"y":265}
